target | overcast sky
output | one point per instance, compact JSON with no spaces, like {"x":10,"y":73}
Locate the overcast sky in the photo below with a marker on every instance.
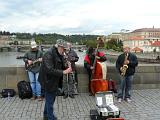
{"x":78,"y":16}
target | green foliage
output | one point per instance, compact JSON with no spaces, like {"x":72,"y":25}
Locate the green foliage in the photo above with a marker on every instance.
{"x":51,"y":38}
{"x":23,"y":35}
{"x":114,"y":44}
{"x":4,"y":33}
{"x":91,"y":43}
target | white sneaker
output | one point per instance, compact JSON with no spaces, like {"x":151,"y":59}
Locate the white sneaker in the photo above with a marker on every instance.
{"x":128,"y":100}
{"x":119,"y":100}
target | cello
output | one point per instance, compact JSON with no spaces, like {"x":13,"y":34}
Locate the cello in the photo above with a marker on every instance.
{"x":98,"y":80}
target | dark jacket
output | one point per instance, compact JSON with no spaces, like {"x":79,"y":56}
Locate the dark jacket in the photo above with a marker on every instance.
{"x":51,"y":71}
{"x":133,"y":62}
{"x":33,"y":55}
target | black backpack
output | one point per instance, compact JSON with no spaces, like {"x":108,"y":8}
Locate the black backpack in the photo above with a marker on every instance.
{"x":8,"y":93}
{"x":24,"y":89}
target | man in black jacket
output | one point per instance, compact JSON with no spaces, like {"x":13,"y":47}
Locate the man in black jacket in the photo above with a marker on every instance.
{"x":51,"y":72}
{"x":125,"y":65}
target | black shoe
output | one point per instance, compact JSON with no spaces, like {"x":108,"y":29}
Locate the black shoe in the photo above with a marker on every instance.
{"x":90,"y":94}
{"x":65,"y":96}
{"x":71,"y":96}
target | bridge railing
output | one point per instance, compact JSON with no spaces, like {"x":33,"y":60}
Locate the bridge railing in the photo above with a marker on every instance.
{"x":25,"y":47}
{"x":146,"y":76}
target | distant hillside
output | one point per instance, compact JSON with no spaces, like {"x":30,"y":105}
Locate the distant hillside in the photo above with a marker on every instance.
{"x":52,"y":37}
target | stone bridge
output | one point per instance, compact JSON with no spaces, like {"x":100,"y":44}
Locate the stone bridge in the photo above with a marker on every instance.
{"x":147,"y":76}
{"x":19,"y":48}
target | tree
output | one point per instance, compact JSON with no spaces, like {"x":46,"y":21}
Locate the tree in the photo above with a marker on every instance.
{"x":114,"y":44}
{"x":91,"y":43}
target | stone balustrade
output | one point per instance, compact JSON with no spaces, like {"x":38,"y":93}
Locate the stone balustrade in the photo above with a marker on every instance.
{"x":146,"y":76}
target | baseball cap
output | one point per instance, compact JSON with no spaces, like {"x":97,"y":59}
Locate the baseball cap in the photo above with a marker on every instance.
{"x":33,"y":44}
{"x":61,"y":43}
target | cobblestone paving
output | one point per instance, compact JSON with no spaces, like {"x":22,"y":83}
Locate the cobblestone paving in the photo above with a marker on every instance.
{"x":145,"y":106}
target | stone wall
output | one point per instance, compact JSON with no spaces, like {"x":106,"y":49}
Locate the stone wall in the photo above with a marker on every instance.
{"x":10,"y":76}
{"x":146,"y":76}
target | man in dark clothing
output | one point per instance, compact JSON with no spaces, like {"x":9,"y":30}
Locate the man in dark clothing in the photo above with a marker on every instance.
{"x":69,"y":79}
{"x":52,"y":70}
{"x":89,"y":61}
{"x":32,"y":59}
{"x":125,"y":65}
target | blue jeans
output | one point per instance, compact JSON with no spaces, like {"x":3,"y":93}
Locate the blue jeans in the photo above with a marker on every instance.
{"x":35,"y":85}
{"x":125,"y":87}
{"x":48,"y":108}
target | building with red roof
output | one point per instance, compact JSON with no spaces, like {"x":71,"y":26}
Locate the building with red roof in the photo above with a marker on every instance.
{"x":144,"y":39}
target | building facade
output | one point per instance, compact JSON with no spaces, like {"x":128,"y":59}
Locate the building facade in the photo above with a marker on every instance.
{"x":145,"y":40}
{"x":140,"y":40}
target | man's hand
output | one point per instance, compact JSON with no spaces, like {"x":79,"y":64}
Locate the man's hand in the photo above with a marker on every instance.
{"x":91,"y":67}
{"x":68,"y":70}
{"x":40,"y":59}
{"x":97,"y":57}
{"x":30,"y":62}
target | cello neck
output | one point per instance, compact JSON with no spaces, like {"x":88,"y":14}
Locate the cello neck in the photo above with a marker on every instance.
{"x":95,"y":60}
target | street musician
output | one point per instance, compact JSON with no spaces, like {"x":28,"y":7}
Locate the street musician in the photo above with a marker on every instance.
{"x":69,"y":80}
{"x":33,"y":59}
{"x":125,"y":65}
{"x":91,"y":60}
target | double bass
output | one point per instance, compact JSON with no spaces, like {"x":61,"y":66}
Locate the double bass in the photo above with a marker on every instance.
{"x":98,"y":80}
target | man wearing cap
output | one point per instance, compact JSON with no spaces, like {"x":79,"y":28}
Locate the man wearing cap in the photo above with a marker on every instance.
{"x":125,"y":65}
{"x":32,"y":59}
{"x":51,"y":72}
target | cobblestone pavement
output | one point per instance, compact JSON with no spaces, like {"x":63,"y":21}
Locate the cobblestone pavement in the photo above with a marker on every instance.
{"x":145,"y":106}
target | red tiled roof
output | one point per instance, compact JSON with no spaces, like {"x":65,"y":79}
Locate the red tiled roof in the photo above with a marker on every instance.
{"x":156,"y":43}
{"x":147,"y":30}
{"x":137,"y":49}
{"x":136,"y":38}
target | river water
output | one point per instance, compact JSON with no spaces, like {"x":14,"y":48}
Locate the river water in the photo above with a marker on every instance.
{"x":9,"y":58}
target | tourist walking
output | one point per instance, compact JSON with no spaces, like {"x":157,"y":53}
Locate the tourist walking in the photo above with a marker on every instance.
{"x":33,"y":59}
{"x":125,"y":65}
{"x":51,"y":72}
